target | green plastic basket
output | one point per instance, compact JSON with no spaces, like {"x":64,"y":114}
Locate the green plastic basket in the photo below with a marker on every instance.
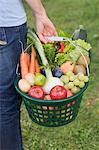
{"x":52,"y":113}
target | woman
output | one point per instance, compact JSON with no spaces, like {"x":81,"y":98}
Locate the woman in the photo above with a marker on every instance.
{"x":12,"y":29}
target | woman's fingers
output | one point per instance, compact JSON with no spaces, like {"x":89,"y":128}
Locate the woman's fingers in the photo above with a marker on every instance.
{"x":45,"y":28}
{"x":42,"y":38}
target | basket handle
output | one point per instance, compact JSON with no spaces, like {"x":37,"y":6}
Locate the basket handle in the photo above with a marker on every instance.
{"x":28,"y":47}
{"x":17,"y":68}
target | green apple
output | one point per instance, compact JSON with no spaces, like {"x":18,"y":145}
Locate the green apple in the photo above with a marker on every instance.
{"x":39,"y":79}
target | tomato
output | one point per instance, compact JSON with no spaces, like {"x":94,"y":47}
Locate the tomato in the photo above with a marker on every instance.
{"x":36,"y":92}
{"x":62,"y":46}
{"x":58,"y":92}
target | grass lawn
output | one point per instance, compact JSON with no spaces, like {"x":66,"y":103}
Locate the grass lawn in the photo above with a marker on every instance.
{"x":83,"y":133}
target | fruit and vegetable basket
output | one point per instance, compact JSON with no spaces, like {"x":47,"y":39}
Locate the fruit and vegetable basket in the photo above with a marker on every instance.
{"x":53,"y":77}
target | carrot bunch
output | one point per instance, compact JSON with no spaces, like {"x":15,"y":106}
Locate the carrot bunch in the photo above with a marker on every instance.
{"x":29,"y":64}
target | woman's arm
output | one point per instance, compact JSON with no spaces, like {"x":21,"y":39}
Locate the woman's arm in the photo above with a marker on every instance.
{"x":43,"y":24}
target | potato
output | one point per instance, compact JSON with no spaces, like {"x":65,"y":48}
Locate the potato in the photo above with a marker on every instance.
{"x":79,"y":68}
{"x":81,"y":60}
{"x":30,"y":78}
{"x":24,"y":86}
{"x":67,"y":66}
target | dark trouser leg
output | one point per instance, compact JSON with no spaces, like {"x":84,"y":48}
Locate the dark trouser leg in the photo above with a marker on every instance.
{"x":10,"y":131}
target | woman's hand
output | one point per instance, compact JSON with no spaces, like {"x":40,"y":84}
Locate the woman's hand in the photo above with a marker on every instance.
{"x":44,"y":27}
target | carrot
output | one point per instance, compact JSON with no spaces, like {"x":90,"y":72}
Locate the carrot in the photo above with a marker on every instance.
{"x":23,"y":64}
{"x":28,"y":59}
{"x":37,"y":66}
{"x":32,"y":67}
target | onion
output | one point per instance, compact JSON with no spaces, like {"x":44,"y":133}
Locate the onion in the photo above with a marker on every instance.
{"x":50,"y":83}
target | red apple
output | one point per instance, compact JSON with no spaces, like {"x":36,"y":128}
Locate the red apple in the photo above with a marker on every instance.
{"x":58,"y":92}
{"x":36,"y":92}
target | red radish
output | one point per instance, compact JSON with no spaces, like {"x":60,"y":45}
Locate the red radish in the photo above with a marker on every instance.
{"x":58,"y":92}
{"x":69,"y":93}
{"x":73,"y":102}
{"x":47,"y":97}
{"x":51,"y":108}
{"x":36,"y":92}
{"x":68,"y":105}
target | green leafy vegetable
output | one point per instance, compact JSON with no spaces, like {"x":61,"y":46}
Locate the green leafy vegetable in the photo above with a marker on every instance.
{"x":50,"y":53}
{"x":68,"y":48}
{"x":63,"y":34}
{"x":74,"y":55}
{"x":83,"y":44}
{"x":61,"y":58}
